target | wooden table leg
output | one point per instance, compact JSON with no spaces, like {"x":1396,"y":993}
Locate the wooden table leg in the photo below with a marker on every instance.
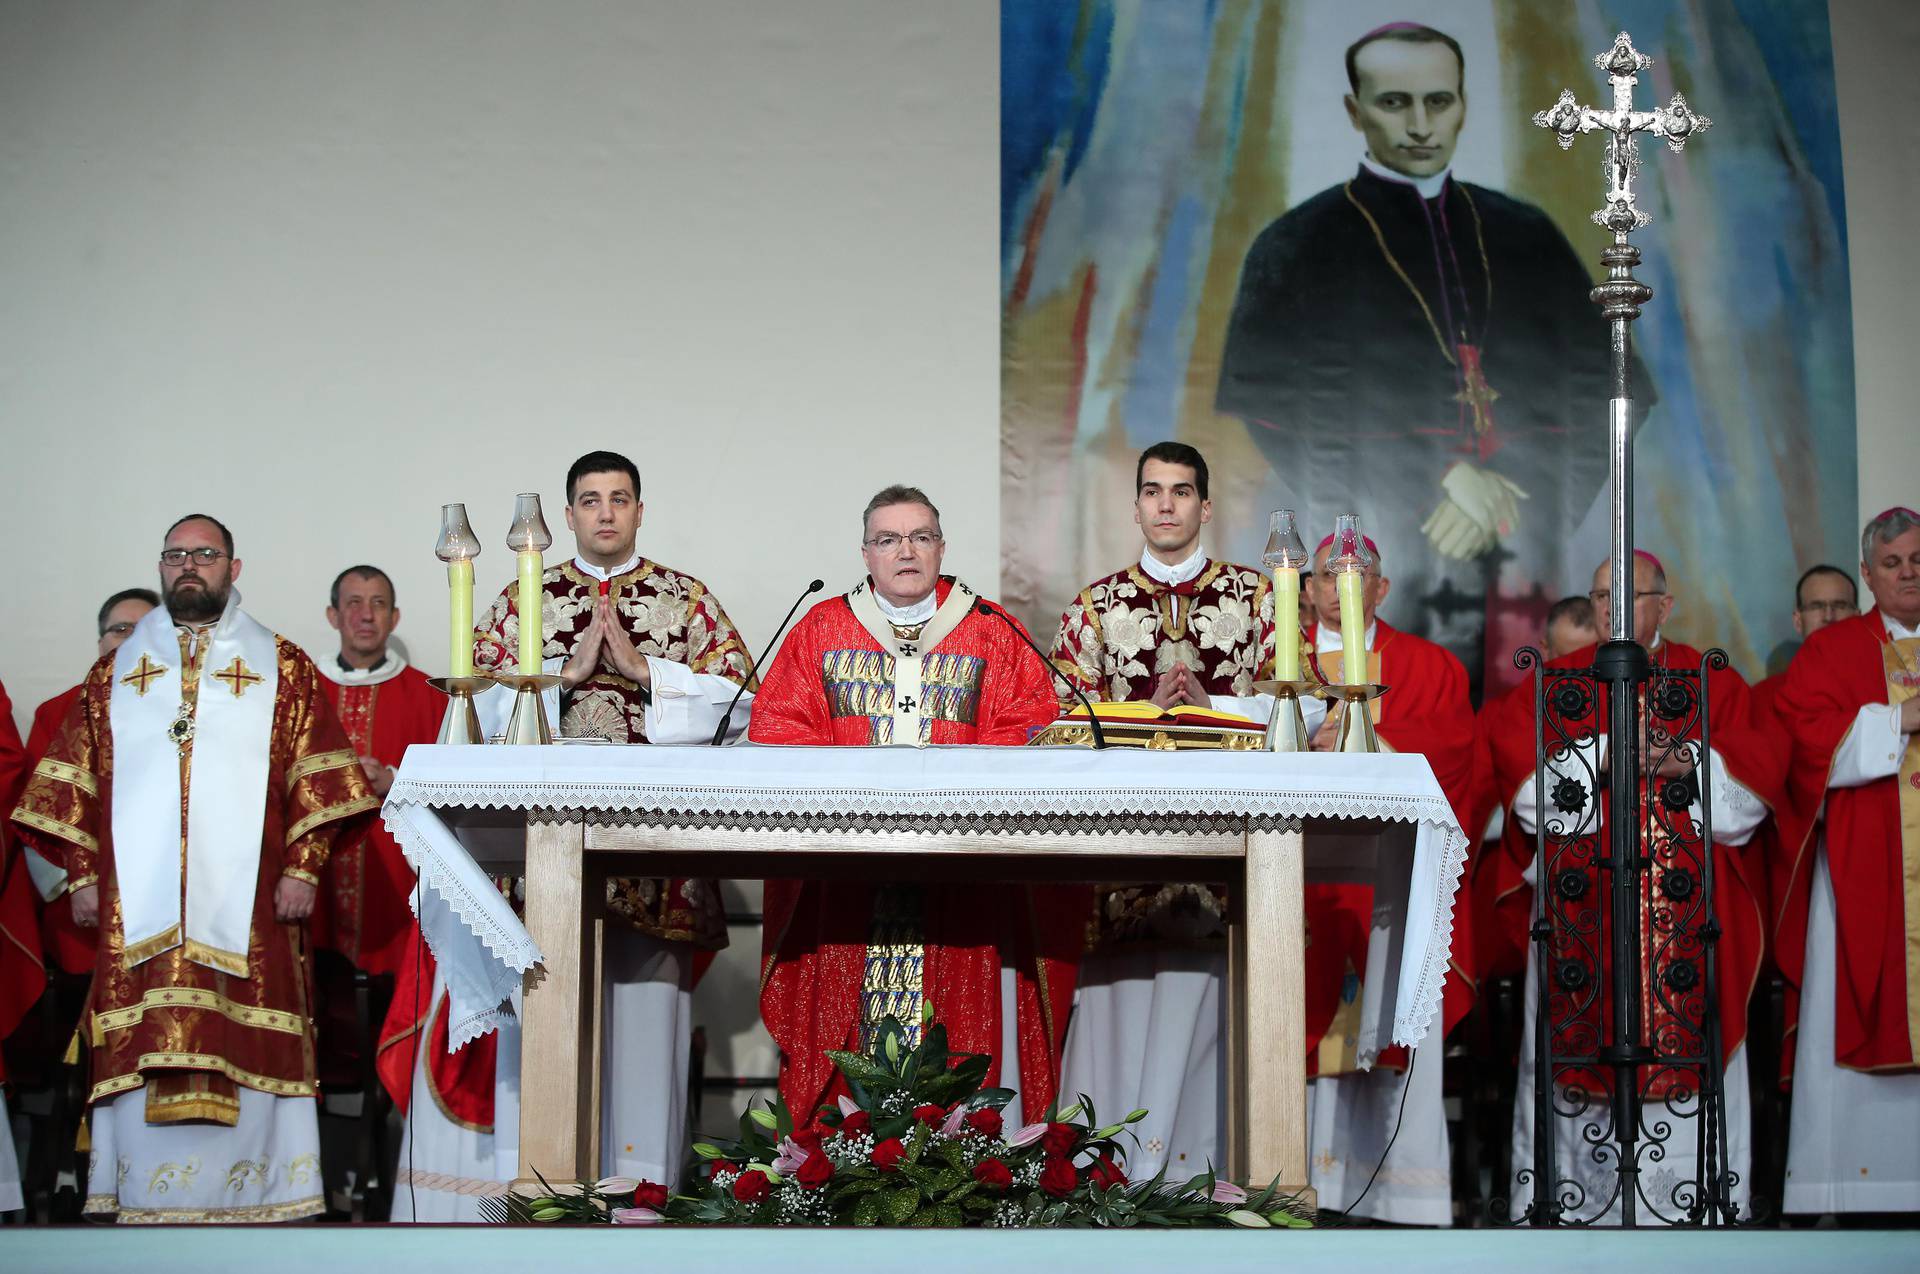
{"x":1275,"y":981}
{"x":556,"y":1039}
{"x":1236,"y":1165}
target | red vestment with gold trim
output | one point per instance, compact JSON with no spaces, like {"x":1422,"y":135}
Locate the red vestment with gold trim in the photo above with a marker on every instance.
{"x":1872,"y":842}
{"x":832,"y":684}
{"x":23,"y":975}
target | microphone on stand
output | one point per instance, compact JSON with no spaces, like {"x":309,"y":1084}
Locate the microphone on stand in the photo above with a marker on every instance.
{"x":720,"y":731}
{"x":985,"y":607}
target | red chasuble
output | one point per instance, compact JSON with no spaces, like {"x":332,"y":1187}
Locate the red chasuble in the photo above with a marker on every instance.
{"x":22,"y":975}
{"x":364,"y":910}
{"x":461,"y":1084}
{"x":68,"y":947}
{"x":1873,"y":842}
{"x":1752,"y":758}
{"x":833,"y":683}
{"x":1425,"y":710}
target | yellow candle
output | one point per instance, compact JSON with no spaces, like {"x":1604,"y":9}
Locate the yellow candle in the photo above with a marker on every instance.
{"x":1353,"y":629}
{"x":532,"y":626}
{"x":1286,"y":622}
{"x":460,"y":622}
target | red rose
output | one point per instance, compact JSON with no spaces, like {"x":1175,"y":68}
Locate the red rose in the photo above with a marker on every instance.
{"x":807,"y":1139}
{"x":993,"y":1174}
{"x":929,"y":1113}
{"x":751,"y":1187}
{"x":1059,"y":1139}
{"x":723,"y":1165}
{"x":816,"y":1171}
{"x":650,"y":1194}
{"x":1058,"y":1178}
{"x":888,"y":1154}
{"x":1105,"y":1173}
{"x":856,"y":1123}
{"x":986,"y":1121}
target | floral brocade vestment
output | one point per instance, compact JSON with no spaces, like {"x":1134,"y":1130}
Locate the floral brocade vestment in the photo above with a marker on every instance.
{"x":668,"y":616}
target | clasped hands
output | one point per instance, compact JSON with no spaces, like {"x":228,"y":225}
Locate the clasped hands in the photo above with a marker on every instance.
{"x":605,"y":644}
{"x":1479,"y":508}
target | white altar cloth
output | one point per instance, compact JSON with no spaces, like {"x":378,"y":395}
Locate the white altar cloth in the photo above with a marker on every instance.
{"x":453,"y":808}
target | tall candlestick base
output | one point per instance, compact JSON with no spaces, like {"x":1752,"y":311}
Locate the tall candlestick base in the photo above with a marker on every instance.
{"x":1287,"y":727}
{"x":1354,"y":731}
{"x":460,"y":723}
{"x":529,"y":721}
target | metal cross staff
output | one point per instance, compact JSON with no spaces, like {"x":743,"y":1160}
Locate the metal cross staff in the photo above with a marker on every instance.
{"x":1622,"y":295}
{"x":1621,"y":664}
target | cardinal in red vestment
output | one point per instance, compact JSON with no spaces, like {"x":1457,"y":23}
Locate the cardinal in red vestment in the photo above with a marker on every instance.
{"x":906,"y":659}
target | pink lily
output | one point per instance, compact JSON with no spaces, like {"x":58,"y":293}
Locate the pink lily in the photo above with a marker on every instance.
{"x":791,"y":1156}
{"x":1027,"y":1136}
{"x":1228,"y":1193}
{"x":950,"y":1126}
{"x":637,"y":1216}
{"x":616,"y":1185}
{"x":848,"y":1106}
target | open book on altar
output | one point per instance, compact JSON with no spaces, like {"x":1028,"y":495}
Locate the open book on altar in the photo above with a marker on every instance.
{"x":1142,"y":724}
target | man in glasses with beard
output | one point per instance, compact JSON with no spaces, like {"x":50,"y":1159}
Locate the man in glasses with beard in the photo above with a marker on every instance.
{"x":190,"y":802}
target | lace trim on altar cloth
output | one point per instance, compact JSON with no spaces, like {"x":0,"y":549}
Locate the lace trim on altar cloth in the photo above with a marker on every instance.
{"x":455,"y":879}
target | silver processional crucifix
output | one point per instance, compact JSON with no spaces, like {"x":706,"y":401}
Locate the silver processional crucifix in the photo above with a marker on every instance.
{"x":1621,"y":296}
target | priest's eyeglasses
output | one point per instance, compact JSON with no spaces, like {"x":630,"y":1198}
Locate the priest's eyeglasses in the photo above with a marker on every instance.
{"x":1601,"y":596}
{"x":1829,"y":610}
{"x":200,"y":556}
{"x":888,"y":542}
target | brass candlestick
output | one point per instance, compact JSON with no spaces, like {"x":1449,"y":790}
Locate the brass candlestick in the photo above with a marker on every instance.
{"x":1354,"y":732}
{"x":460,"y":723}
{"x":1287,"y":727}
{"x":529,"y":721}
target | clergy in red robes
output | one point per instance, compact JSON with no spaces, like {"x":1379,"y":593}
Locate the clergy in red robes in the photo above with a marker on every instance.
{"x":69,"y":947}
{"x":22,"y":975}
{"x":1352,"y":1114}
{"x":1747,"y":775}
{"x":904,"y":659}
{"x":192,"y":802}
{"x":385,"y":705}
{"x":1849,"y":934}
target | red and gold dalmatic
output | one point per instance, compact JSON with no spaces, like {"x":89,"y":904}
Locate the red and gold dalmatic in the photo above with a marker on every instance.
{"x":1872,"y":842}
{"x":364,"y":911}
{"x":191,"y":1034}
{"x":68,"y":947}
{"x":839,"y":956}
{"x":23,"y":973}
{"x":669,"y":616}
{"x":1425,"y":710}
{"x":1116,"y":640}
{"x":1752,"y":758}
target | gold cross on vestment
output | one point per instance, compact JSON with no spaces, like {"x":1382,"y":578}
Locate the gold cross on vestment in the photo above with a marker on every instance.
{"x":143,"y":673}
{"x":238,"y":677}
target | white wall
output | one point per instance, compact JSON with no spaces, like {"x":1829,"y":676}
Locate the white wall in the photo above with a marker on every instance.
{"x":319,"y":267}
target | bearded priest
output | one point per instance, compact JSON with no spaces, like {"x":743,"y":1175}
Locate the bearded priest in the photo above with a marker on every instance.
{"x":191,"y":801}
{"x":1178,"y":627}
{"x":906,"y":660}
{"x":1353,"y":1115}
{"x":646,"y":654}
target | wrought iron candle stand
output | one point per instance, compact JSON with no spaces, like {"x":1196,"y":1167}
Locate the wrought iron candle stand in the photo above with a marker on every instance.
{"x":1625,"y":1026}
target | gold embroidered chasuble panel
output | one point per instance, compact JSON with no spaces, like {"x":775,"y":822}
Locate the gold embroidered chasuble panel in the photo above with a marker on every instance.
{"x":187,"y":1032}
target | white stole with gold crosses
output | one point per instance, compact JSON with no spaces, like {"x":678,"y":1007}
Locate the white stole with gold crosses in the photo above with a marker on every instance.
{"x":909,"y":653}
{"x":227,"y":734}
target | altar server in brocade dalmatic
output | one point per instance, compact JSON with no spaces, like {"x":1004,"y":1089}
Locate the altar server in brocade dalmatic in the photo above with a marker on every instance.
{"x":646,"y":654}
{"x":1351,"y":1114}
{"x":1178,"y":627}
{"x":1746,"y":778}
{"x":906,"y":659}
{"x":1849,"y":934}
{"x":191,"y":800}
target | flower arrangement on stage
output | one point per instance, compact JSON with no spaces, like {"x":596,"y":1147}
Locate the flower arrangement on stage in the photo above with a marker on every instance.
{"x":919,"y":1142}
